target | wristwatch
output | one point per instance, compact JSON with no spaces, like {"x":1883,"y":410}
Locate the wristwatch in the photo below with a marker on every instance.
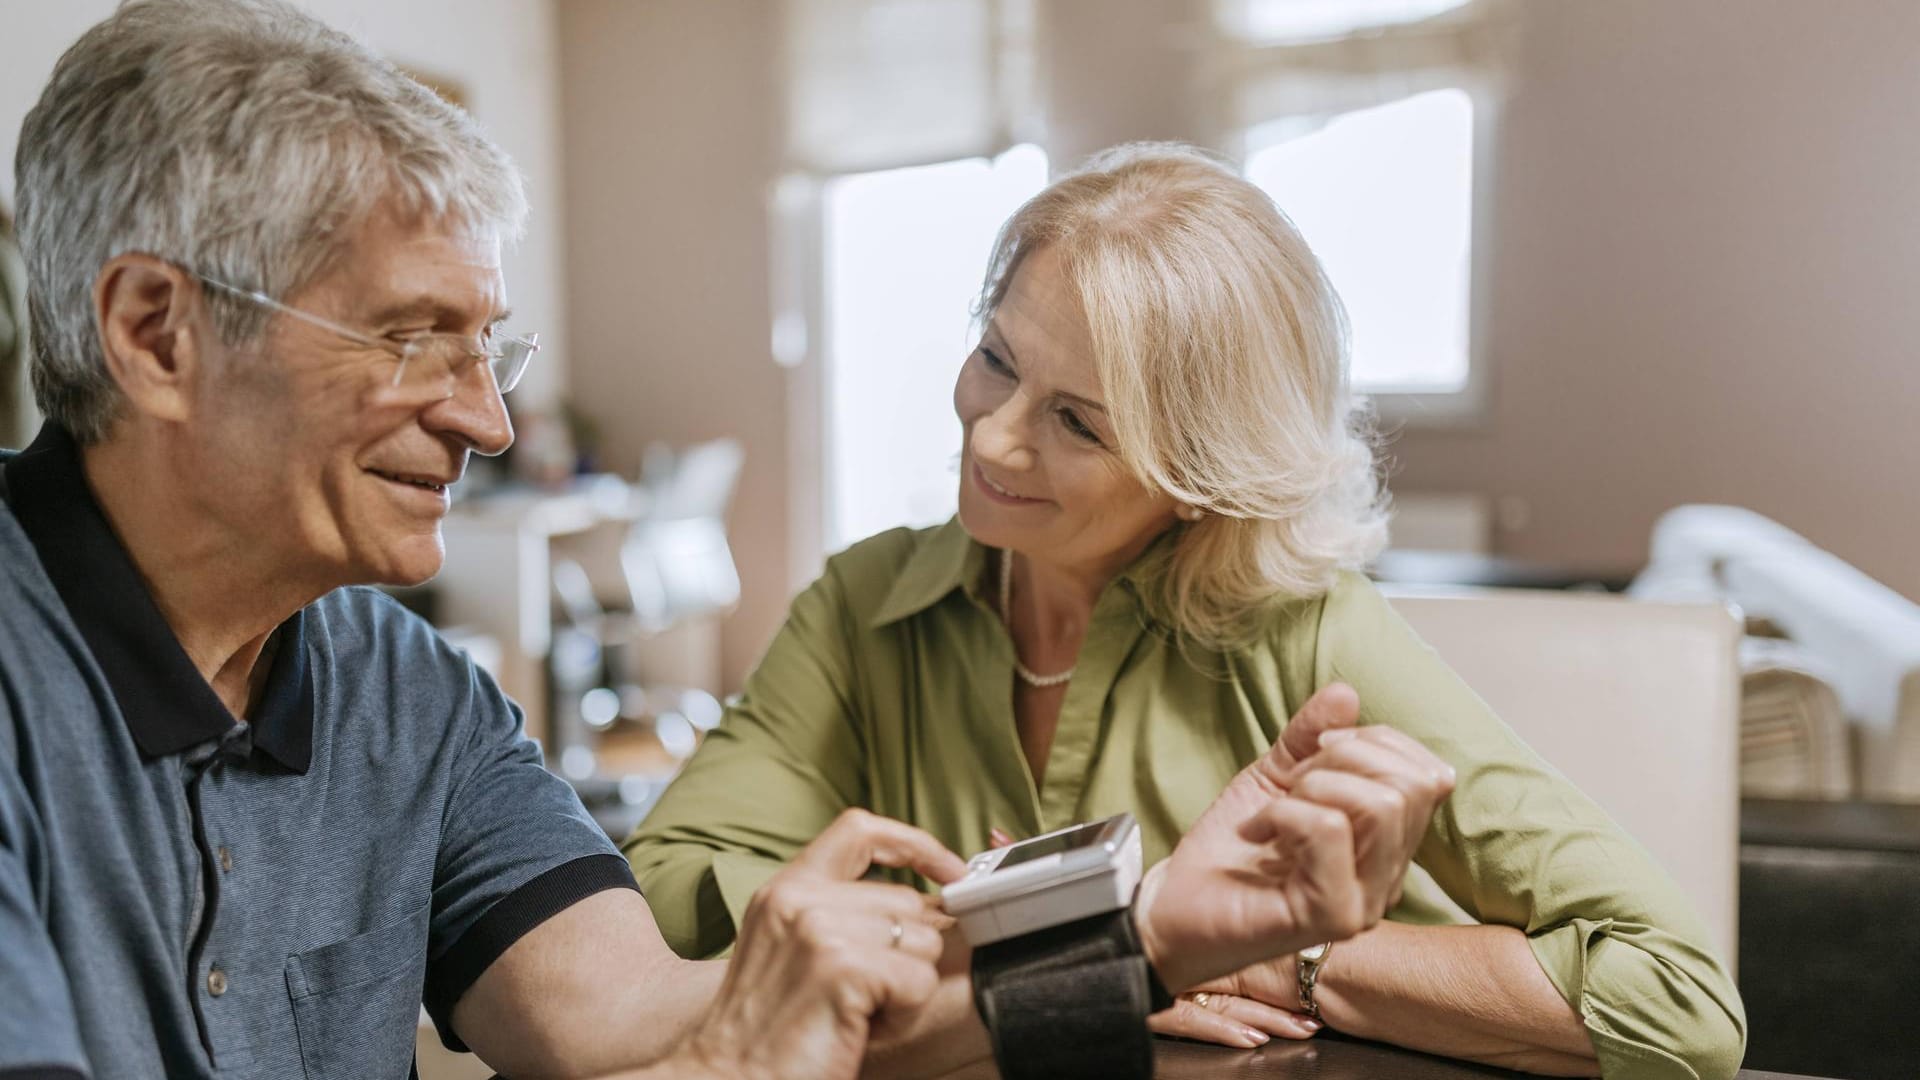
{"x":1307,"y":974}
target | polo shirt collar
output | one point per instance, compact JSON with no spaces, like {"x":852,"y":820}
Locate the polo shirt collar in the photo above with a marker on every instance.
{"x":166,"y":703}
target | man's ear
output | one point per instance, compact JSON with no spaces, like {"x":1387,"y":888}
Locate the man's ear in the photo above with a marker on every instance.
{"x":153,"y":333}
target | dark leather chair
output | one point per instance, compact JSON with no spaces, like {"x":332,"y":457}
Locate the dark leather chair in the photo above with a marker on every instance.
{"x":1830,"y":937}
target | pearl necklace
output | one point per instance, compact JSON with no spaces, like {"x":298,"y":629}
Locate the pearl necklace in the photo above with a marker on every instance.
{"x":1038,"y":682}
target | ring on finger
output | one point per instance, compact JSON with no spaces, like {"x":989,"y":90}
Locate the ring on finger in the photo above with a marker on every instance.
{"x":898,"y":933}
{"x":1202,"y":998}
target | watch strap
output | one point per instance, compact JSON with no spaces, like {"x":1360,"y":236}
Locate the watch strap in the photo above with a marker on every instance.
{"x":1158,"y":999}
{"x":1070,"y":1000}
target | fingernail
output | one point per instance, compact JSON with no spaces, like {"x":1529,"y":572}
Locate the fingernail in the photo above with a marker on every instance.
{"x":1328,"y":738}
{"x":1260,"y":1038}
{"x":1310,"y":1023}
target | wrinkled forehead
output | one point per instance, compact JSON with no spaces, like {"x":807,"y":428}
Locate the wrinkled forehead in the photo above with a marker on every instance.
{"x":394,"y":265}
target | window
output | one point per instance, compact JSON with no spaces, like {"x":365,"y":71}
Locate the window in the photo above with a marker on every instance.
{"x":904,"y":251}
{"x":1296,"y":21}
{"x":1384,"y":196}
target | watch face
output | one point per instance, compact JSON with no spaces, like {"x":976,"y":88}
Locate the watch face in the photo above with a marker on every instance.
{"x":1313,"y":954}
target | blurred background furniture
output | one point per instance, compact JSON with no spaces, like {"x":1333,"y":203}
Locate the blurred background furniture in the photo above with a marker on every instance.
{"x":498,"y":575}
{"x":635,"y":671}
{"x":1636,"y":703}
{"x":1833,"y":664}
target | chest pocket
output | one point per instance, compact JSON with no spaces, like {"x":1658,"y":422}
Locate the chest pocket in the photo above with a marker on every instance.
{"x":356,"y":1002}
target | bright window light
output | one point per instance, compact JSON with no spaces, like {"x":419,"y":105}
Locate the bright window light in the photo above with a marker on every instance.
{"x":1385,"y":197}
{"x":1288,"y":21}
{"x":905,"y":250}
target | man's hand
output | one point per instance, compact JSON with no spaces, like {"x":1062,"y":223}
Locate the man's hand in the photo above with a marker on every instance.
{"x":1308,"y":844}
{"x":820,"y":952}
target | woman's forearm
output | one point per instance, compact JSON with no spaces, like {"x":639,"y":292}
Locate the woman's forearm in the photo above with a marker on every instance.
{"x":1472,"y":992}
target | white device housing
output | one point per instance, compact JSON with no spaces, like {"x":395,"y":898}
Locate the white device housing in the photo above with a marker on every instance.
{"x":1096,"y":875}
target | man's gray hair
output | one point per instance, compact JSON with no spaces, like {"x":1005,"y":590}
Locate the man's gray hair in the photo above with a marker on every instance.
{"x":242,"y":139}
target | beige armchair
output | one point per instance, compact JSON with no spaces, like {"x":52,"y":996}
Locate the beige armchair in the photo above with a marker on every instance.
{"x":1637,"y":703}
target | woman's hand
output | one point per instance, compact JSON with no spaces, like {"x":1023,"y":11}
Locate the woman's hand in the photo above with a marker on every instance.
{"x":821,"y":952}
{"x":1217,"y":1013}
{"x":1308,"y":844}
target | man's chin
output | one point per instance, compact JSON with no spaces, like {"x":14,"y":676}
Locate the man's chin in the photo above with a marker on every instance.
{"x":411,"y":562}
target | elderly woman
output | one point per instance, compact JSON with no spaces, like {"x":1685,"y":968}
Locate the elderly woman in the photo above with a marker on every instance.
{"x":1165,"y":495}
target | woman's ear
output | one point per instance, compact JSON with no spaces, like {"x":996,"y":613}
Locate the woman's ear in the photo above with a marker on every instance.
{"x":1190,"y":512}
{"x":145,"y":310}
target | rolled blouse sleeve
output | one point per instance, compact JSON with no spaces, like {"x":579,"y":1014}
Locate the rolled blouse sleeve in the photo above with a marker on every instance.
{"x":1518,"y":845}
{"x":786,"y":759}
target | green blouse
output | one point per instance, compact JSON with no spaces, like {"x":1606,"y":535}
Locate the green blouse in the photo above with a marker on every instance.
{"x":890,"y":688}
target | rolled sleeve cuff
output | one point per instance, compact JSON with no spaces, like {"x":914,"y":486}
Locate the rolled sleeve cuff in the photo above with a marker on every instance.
{"x":507,"y":921}
{"x":739,"y":876}
{"x":1652,"y":1017}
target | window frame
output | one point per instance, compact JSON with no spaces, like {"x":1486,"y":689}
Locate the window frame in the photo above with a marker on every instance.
{"x":1470,"y":407}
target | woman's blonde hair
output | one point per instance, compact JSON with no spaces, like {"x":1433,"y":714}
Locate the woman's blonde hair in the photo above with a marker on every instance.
{"x":1221,"y":347}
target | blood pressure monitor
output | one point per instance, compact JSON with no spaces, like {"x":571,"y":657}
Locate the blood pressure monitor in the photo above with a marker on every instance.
{"x":1058,"y":878}
{"x":1059,"y":976}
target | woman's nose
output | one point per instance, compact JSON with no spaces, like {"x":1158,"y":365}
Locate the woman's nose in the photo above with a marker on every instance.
{"x":999,"y":436}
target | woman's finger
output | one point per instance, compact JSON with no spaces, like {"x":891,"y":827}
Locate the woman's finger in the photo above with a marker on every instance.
{"x":1189,"y":1020}
{"x":1421,"y":785}
{"x":1425,"y":761}
{"x":1312,"y":880}
{"x":1261,"y":1016}
{"x":1383,"y":845}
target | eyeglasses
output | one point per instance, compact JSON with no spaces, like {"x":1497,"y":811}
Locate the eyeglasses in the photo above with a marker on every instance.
{"x":426,"y":359}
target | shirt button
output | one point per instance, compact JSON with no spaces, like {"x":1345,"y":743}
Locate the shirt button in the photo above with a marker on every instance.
{"x":216,"y":982}
{"x":226,"y":859}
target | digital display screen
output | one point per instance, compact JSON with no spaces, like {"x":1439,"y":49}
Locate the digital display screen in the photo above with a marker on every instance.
{"x":1084,"y":836}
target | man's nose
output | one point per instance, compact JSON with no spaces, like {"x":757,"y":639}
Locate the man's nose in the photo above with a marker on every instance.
{"x":475,"y":414}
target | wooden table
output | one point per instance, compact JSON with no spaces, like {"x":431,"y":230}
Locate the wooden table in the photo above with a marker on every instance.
{"x":1324,"y":1057}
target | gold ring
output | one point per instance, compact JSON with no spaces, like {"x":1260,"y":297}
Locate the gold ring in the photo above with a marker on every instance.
{"x":1202,"y":998}
{"x":898,"y":933}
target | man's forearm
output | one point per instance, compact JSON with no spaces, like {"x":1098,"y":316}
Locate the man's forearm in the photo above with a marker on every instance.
{"x":624,"y":1023}
{"x":572,"y":999}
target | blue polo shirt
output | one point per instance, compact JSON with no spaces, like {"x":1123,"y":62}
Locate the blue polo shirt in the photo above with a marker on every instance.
{"x":183,"y":894}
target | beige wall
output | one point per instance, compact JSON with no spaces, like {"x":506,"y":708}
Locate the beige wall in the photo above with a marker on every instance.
{"x":1706,"y":242}
{"x":1706,"y":245}
{"x":669,"y":133}
{"x":1706,"y":280}
{"x":503,"y":53}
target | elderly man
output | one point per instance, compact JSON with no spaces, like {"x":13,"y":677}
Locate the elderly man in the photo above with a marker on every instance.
{"x":252,"y":816}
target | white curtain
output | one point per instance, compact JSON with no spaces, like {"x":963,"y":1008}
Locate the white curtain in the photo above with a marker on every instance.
{"x":875,"y":84}
{"x":1315,"y":58}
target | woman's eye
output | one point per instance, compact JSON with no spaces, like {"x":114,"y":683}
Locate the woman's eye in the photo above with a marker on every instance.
{"x":1078,"y":428}
{"x":994,"y":363}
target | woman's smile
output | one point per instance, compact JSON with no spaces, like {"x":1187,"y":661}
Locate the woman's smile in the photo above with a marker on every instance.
{"x":999,"y":494}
